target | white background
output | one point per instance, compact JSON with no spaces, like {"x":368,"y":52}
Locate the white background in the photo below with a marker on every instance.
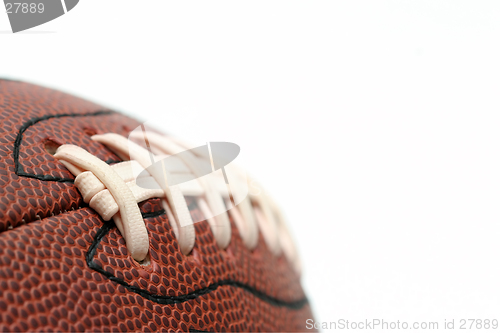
{"x":374,"y":124}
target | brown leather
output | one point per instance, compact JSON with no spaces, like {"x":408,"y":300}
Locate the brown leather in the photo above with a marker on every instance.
{"x":62,"y":268}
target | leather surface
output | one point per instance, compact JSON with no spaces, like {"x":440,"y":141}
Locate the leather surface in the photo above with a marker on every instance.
{"x":62,"y":268}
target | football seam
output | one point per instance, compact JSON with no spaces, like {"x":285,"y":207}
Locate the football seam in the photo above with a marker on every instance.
{"x":18,"y":168}
{"x":168,"y":300}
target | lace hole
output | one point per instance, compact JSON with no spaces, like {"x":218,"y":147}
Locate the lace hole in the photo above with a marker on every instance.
{"x":89,"y":131}
{"x":51,"y":146}
{"x":146,"y":261}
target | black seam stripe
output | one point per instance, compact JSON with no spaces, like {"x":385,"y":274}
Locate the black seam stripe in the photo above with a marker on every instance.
{"x":153,"y":214}
{"x":19,"y":138}
{"x":10,"y":80}
{"x":164,"y":299}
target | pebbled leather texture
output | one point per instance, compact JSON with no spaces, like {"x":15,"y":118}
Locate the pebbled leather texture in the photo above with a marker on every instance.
{"x":62,"y":268}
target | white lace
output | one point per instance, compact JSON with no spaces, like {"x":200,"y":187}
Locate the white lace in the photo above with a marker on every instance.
{"x":113,"y":193}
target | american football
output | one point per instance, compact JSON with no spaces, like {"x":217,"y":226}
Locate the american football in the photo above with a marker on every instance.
{"x":98,"y":234}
